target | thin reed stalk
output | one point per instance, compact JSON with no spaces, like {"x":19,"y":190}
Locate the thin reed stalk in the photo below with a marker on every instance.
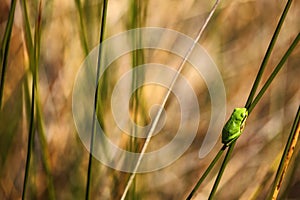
{"x":97,"y":93}
{"x":82,"y":29}
{"x":29,"y":44}
{"x":268,"y":54}
{"x":34,"y":63}
{"x":286,"y":157}
{"x":30,"y":141}
{"x":33,"y":49}
{"x":157,"y":117}
{"x":207,"y":171}
{"x":274,"y":73}
{"x":222,"y":169}
{"x":44,"y":147}
{"x":134,"y":105}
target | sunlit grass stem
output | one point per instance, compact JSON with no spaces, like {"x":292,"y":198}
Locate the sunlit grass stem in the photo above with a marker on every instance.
{"x":30,"y":50}
{"x":33,"y":62}
{"x":166,"y":97}
{"x":286,"y":157}
{"x":83,"y":37}
{"x":134,"y":105}
{"x":30,"y":140}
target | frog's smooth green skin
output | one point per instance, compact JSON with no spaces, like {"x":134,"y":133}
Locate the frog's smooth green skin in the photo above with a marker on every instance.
{"x":234,"y":126}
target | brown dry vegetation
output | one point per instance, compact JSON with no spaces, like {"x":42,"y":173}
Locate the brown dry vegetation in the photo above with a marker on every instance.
{"x":236,"y":38}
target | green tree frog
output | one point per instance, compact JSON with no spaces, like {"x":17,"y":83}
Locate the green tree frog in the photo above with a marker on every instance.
{"x":234,"y":126}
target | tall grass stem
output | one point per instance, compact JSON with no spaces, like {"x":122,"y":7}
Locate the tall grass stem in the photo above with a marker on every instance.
{"x":30,"y":141}
{"x":101,"y":37}
{"x":267,"y":55}
{"x":286,"y":157}
{"x":207,"y":171}
{"x":82,"y":28}
{"x":222,"y":169}
{"x":274,"y":73}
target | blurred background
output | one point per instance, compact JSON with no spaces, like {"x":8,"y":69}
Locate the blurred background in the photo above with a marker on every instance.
{"x":236,"y":38}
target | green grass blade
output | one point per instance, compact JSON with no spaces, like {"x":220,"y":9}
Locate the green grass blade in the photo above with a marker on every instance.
{"x":5,"y":47}
{"x":286,"y":156}
{"x":39,"y":118}
{"x":28,"y":35}
{"x":207,"y":171}
{"x":44,"y":147}
{"x":97,"y":92}
{"x":267,"y":55}
{"x":222,"y":169}
{"x":82,"y":28}
{"x":34,"y":53}
{"x":137,"y":13}
{"x":41,"y":132}
{"x":134,"y":6}
{"x":274,"y":73}
{"x":32,"y":64}
{"x":30,"y":141}
{"x":29,"y":45}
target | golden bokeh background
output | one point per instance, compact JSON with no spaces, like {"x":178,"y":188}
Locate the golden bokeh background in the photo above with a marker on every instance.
{"x":236,"y":38}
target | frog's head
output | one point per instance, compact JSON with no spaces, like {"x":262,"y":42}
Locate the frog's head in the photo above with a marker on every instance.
{"x":240,"y":114}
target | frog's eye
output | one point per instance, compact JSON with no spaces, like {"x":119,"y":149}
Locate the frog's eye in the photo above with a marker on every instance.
{"x":242,"y":126}
{"x":243,"y":115}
